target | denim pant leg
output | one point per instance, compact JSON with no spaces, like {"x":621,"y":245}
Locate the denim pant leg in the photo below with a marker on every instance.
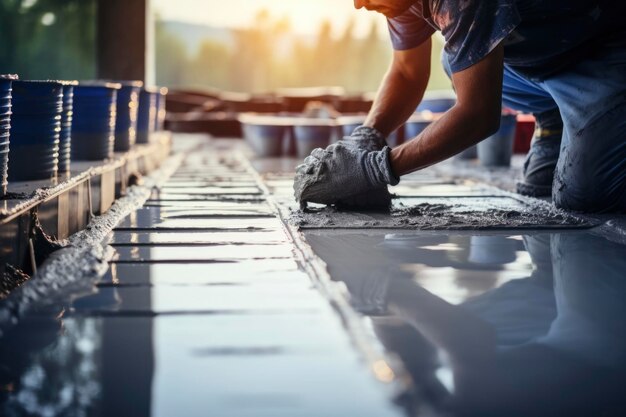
{"x":591,"y":172}
{"x":522,"y":94}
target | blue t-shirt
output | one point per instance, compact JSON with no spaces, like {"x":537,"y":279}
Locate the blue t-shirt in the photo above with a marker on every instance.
{"x":540,"y":37}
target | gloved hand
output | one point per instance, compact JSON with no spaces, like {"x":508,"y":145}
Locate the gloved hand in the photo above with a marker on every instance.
{"x":329,"y":175}
{"x":366,"y":138}
{"x":369,"y":139}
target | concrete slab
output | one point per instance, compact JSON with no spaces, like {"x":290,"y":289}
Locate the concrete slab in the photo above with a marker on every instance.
{"x":248,"y":300}
{"x":220,"y":253}
{"x":482,"y":322}
{"x":129,"y":238}
{"x":268,"y":365}
{"x":274,"y":271}
{"x":223,"y":224}
{"x":224,"y":210}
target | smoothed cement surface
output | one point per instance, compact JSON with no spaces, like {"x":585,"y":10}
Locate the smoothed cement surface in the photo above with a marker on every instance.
{"x":453,"y":213}
{"x":204,"y":310}
{"x":208,"y":308}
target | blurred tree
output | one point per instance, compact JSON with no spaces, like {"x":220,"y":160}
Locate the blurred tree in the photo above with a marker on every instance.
{"x":267,"y":55}
{"x":374,"y":59}
{"x":210,"y":66}
{"x":48,"y":38}
{"x":325,"y":57}
{"x":171,"y":58}
{"x":347,"y":62}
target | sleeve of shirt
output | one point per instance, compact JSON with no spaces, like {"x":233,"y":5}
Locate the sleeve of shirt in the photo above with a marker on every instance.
{"x":408,"y":31}
{"x":473,"y":28}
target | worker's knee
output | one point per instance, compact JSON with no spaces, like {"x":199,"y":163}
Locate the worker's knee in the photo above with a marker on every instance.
{"x":589,"y":198}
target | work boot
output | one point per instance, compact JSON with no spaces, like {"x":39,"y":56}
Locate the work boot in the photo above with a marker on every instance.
{"x":543,"y":156}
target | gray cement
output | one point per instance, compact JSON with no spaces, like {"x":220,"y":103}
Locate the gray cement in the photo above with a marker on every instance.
{"x":444,"y":214}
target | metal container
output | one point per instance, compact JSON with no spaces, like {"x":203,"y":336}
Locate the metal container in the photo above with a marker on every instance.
{"x":266,"y":135}
{"x":5,"y":127}
{"x":496,"y":150}
{"x":65,"y":138}
{"x":311,"y":134}
{"x":126,"y":117}
{"x":37,"y":107}
{"x":147,"y":113}
{"x":93,"y":127}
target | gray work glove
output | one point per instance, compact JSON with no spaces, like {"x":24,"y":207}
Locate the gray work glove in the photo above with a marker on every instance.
{"x":368,"y":139}
{"x":330,"y":175}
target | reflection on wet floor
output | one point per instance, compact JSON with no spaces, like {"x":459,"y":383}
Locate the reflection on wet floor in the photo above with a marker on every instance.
{"x":130,"y":238}
{"x":203,"y":311}
{"x":219,"y":224}
{"x":494,"y":324}
{"x":216,"y":253}
{"x":279,"y":272}
{"x":206,"y":310}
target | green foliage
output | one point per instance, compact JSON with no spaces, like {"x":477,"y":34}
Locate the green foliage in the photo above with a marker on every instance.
{"x":42,"y":39}
{"x":267,"y":56}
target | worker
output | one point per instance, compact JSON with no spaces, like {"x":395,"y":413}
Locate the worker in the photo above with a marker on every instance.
{"x":563,"y":61}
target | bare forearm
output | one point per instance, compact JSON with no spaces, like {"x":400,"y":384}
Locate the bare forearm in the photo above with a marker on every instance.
{"x":457,"y":130}
{"x":475,"y":116}
{"x":396,"y":100}
{"x":402,"y":89}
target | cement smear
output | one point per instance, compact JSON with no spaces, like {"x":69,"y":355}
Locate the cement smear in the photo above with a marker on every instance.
{"x":427,"y":216}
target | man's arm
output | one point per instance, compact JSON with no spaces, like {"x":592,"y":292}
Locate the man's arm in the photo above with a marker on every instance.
{"x":475,"y":116}
{"x":402,"y":89}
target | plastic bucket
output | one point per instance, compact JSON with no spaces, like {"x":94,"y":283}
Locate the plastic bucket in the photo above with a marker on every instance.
{"x":65,"y":138}
{"x":93,"y":124}
{"x":412,"y":128}
{"x":347,"y":124}
{"x":35,"y":130}
{"x":266,"y":140}
{"x":126,"y":119}
{"x":4,"y":160}
{"x":467,"y":154}
{"x":6,"y":82}
{"x":437,"y":101}
{"x":311,"y":136}
{"x":146,"y":116}
{"x":496,"y":150}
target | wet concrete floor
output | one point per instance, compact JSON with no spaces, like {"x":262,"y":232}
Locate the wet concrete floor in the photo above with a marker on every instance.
{"x":210,"y":308}
{"x":205,"y":310}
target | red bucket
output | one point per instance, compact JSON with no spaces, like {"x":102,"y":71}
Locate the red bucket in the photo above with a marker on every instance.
{"x":524,"y":133}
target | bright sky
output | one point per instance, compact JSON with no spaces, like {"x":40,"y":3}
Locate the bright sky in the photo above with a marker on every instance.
{"x":305,"y":15}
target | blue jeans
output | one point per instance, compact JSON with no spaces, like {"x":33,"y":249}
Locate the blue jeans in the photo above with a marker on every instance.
{"x":591,"y":98}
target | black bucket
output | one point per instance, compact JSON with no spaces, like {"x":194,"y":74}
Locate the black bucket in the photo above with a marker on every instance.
{"x":146,"y":117}
{"x":35,"y":130}
{"x":126,"y":121}
{"x":93,"y":125}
